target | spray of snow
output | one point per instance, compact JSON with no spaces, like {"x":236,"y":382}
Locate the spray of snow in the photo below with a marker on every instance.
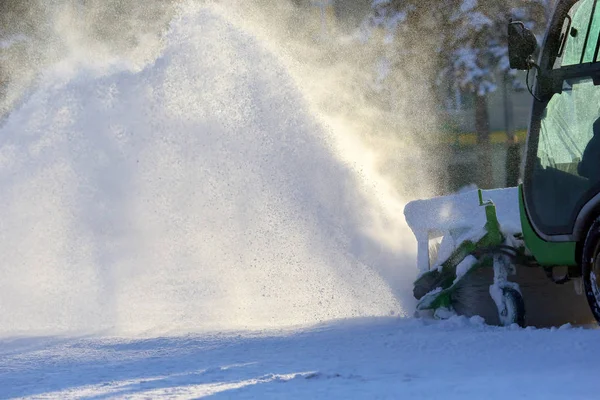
{"x":201,"y":190}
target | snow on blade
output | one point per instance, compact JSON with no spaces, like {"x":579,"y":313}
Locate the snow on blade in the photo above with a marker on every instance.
{"x":460,"y":213}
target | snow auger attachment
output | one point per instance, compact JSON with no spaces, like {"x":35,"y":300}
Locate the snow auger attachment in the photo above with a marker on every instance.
{"x":447,"y":284}
{"x":474,"y":260}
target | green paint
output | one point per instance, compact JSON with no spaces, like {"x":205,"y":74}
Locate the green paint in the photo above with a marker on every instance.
{"x":444,"y":277}
{"x":546,"y":253}
{"x":444,"y":298}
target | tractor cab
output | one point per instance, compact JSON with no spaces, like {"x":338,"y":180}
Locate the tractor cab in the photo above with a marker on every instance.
{"x":562,"y":169}
{"x":560,"y":194}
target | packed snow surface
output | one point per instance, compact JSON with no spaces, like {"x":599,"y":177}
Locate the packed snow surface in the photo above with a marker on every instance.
{"x":373,"y":358}
{"x":187,"y":228}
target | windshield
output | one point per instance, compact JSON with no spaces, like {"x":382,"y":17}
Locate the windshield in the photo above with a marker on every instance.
{"x":563,"y":162}
{"x":580,"y":34}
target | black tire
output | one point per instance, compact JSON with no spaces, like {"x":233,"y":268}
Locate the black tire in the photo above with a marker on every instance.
{"x":515,"y":308}
{"x":472,"y":297}
{"x":590,"y":268}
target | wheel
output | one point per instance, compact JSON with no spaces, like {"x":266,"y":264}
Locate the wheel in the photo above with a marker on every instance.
{"x":472,"y":297}
{"x":590,"y":268}
{"x":514,"y":308}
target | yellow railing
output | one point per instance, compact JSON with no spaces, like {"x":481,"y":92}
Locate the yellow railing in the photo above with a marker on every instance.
{"x":470,"y":139}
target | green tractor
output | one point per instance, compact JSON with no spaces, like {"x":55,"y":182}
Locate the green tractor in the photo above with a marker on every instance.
{"x":559,"y":198}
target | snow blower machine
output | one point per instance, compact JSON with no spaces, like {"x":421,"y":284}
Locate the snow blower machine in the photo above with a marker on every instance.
{"x":524,"y":255}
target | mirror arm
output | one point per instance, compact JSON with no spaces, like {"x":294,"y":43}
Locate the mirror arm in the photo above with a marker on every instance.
{"x":531,"y":65}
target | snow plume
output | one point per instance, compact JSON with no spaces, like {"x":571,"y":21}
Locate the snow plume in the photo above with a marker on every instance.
{"x":40,"y":33}
{"x":212,"y":180}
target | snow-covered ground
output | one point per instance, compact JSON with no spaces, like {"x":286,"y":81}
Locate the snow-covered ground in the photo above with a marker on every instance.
{"x":166,"y":227}
{"x":372,"y":358}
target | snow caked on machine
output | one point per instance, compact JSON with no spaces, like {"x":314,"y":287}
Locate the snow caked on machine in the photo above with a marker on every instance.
{"x":475,"y":247}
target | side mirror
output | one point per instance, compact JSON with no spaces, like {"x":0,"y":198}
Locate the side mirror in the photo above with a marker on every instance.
{"x":521,"y":45}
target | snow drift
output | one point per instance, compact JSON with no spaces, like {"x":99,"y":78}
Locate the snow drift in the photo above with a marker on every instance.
{"x":196,"y":193}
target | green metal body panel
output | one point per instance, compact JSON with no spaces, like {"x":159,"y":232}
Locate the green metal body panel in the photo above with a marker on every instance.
{"x":545,"y":253}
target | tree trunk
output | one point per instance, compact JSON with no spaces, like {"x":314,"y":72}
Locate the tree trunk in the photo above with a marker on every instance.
{"x":513,"y":150}
{"x":513,"y":163}
{"x":482,"y":129}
